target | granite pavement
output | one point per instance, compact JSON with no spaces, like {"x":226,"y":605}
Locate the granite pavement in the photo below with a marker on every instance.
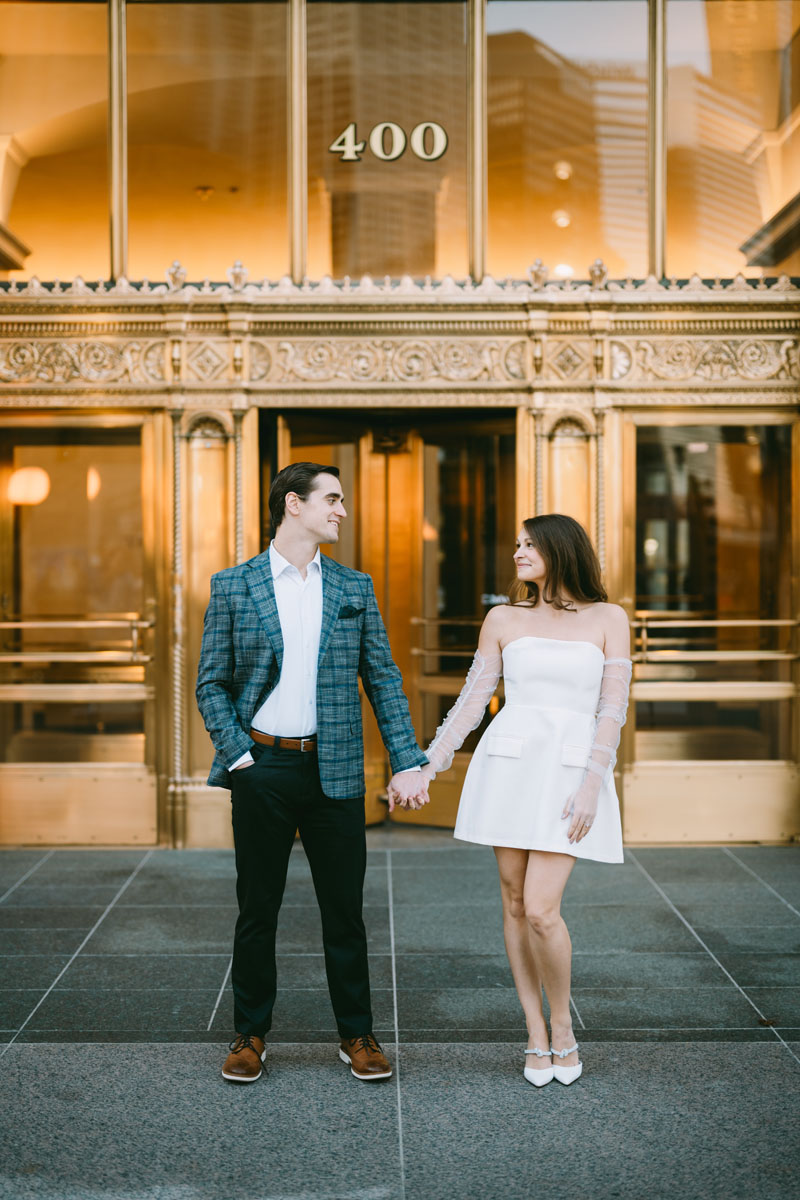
{"x":115,"y":1010}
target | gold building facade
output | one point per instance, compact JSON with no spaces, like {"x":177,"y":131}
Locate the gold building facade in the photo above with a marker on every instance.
{"x":394,"y":176}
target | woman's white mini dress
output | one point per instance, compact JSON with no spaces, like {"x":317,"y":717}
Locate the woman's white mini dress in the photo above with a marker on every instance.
{"x":532,"y":757}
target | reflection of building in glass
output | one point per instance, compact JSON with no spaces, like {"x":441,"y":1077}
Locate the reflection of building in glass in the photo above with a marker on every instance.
{"x":368,"y":64}
{"x":712,"y":198}
{"x":734,"y":146}
{"x":620,"y":104}
{"x":567,"y":160}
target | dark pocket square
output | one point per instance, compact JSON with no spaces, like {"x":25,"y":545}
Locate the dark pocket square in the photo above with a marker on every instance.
{"x":348,"y":611}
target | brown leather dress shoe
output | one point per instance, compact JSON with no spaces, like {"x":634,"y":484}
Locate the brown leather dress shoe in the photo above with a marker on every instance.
{"x":243,"y":1064}
{"x":367,"y":1060}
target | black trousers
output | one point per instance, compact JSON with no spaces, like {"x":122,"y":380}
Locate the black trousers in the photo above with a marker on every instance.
{"x":271,"y":800}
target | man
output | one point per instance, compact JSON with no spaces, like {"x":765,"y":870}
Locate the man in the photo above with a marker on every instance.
{"x":286,"y":637}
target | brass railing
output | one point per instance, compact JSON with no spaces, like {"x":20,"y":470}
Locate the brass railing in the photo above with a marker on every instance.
{"x":132,"y":654}
{"x":646,"y":653}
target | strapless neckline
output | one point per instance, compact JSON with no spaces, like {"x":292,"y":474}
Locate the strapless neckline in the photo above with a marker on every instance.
{"x":530,"y":637}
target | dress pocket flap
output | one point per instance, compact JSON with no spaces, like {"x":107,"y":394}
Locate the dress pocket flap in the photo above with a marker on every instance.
{"x":574,"y":756}
{"x":506,"y":747}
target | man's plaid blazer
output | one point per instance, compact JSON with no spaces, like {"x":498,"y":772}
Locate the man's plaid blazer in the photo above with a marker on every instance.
{"x":240,"y":664}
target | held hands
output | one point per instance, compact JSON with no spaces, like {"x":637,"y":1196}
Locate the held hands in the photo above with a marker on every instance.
{"x":408,"y":789}
{"x":582,"y":807}
{"x":428,"y":773}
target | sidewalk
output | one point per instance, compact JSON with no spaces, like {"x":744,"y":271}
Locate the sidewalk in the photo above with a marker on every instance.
{"x":116,"y":1008}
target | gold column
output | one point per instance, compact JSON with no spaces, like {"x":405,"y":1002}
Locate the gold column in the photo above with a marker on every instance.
{"x":117,"y":139}
{"x":600,"y":488}
{"x":238,"y":489}
{"x":210,"y":539}
{"x":298,"y":126}
{"x":540,"y":439}
{"x":477,"y":163}
{"x":657,"y":136}
{"x":526,"y":482}
{"x":177,"y":795}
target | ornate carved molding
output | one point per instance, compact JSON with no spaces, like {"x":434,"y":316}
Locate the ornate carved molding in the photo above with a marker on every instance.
{"x":405,"y":289}
{"x":708,"y":359}
{"x":697,"y":396}
{"x":231,"y":351}
{"x":414,"y":361}
{"x":93,"y":362}
{"x":207,"y":360}
{"x":568,"y":358}
{"x":393,"y":398}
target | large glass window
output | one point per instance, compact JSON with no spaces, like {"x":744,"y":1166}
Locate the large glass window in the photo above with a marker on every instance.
{"x":468,"y":542}
{"x":567,"y":129}
{"x":73,"y":636}
{"x":53,"y":134}
{"x":207,"y":137}
{"x":387,"y":135}
{"x":733,"y":165}
{"x":715,"y":629}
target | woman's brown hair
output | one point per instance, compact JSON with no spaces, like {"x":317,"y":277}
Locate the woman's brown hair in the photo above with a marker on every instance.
{"x":572,"y":569}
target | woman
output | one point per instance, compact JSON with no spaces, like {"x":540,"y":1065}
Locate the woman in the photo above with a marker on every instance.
{"x":540,"y":786}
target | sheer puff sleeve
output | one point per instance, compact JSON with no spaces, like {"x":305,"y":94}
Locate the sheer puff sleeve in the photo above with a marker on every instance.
{"x":467,"y":712}
{"x":612,"y":709}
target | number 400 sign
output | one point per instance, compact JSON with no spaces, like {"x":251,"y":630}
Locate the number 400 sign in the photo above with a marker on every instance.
{"x":388,"y":142}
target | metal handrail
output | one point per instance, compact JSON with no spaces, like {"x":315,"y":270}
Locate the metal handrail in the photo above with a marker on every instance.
{"x":472,"y":621}
{"x":693,"y":623}
{"x":99,"y":657}
{"x":133,"y":624}
{"x":647,"y":626}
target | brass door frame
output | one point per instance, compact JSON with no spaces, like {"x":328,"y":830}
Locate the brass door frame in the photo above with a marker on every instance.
{"x":105,"y":799}
{"x":674,"y":801}
{"x":384,"y":473}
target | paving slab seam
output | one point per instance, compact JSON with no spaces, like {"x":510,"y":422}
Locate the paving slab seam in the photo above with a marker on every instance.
{"x":577,"y":1014}
{"x":764,"y":883}
{"x":396,"y":1028}
{"x":72,"y":958}
{"x":721,"y":1029}
{"x":515,"y":1033}
{"x":27,"y":875}
{"x":219,"y":994}
{"x":712,"y":955}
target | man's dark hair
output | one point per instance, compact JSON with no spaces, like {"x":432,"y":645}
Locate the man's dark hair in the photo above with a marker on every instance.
{"x":298,"y":478}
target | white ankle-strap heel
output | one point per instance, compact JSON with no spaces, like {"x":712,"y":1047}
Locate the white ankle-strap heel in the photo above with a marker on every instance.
{"x":566,"y":1075}
{"x":536,"y":1077}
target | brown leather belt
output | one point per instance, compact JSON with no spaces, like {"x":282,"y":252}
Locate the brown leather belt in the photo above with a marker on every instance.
{"x":267,"y":739}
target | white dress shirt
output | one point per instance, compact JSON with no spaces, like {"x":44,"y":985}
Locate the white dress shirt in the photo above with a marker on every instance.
{"x":290,"y":710}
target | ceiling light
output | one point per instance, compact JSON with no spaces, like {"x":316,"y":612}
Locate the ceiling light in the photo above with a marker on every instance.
{"x":28,"y":485}
{"x":93,"y":483}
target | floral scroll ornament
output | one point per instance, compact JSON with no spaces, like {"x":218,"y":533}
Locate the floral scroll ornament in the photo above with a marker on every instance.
{"x":260,"y":361}
{"x":82,"y":362}
{"x":754,"y":359}
{"x":404,"y":362}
